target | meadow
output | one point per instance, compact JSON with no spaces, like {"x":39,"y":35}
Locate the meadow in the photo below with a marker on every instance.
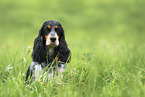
{"x":106,"y":39}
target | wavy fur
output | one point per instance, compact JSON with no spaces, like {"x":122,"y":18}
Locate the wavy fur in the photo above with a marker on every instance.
{"x":40,"y":53}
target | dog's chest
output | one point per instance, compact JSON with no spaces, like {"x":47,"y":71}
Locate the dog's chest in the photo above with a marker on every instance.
{"x":41,"y":71}
{"x":51,"y":55}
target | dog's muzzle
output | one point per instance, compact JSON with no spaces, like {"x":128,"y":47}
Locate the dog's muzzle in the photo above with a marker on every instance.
{"x":52,"y":39}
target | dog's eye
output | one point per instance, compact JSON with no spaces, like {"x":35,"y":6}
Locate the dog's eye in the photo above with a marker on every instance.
{"x":57,"y":29}
{"x":48,"y":29}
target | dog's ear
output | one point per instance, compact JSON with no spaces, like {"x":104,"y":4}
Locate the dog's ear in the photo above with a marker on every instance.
{"x":62,"y":35}
{"x":40,"y":32}
{"x":64,"y":52}
{"x":39,"y":50}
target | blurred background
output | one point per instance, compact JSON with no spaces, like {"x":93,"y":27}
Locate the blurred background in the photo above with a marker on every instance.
{"x":106,"y":39}
{"x":90,"y":26}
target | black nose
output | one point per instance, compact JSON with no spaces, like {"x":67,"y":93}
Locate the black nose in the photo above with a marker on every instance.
{"x":52,"y":39}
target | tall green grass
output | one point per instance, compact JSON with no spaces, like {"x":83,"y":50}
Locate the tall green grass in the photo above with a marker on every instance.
{"x":106,"y":39}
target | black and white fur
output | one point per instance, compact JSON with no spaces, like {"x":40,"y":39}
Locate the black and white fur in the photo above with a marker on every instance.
{"x":48,"y":55}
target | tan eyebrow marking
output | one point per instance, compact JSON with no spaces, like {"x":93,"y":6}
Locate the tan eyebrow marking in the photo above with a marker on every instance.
{"x":49,"y":27}
{"x":56,"y":27}
{"x":45,"y":36}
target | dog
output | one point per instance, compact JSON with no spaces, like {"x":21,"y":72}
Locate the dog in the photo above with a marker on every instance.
{"x":50,"y":52}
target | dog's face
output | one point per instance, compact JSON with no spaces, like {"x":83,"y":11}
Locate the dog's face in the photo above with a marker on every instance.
{"x":51,"y":32}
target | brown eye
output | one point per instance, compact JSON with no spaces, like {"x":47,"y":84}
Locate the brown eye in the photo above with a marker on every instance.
{"x":57,"y":29}
{"x":47,"y":29}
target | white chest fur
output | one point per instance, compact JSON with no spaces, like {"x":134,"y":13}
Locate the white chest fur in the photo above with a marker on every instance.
{"x":45,"y":73}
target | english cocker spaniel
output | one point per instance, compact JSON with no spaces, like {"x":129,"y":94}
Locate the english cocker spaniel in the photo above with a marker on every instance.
{"x":50,"y":52}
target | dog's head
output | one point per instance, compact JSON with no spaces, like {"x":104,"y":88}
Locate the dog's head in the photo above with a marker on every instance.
{"x":51,"y":32}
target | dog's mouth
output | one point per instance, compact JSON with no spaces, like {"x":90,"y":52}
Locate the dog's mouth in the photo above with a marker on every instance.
{"x":52,"y":45}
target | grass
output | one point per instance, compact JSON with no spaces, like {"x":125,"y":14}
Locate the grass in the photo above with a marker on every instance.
{"x":106,"y":39}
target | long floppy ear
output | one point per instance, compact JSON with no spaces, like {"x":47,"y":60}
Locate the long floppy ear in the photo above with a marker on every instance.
{"x":40,"y":32}
{"x":64,"y":52}
{"x":39,"y":50}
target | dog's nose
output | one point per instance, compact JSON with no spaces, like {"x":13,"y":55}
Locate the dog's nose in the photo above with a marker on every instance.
{"x":52,"y":39}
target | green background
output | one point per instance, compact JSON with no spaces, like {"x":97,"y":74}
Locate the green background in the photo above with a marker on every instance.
{"x":106,"y":38}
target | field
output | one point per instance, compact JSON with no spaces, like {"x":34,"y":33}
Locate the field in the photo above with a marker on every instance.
{"x":106,"y":38}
